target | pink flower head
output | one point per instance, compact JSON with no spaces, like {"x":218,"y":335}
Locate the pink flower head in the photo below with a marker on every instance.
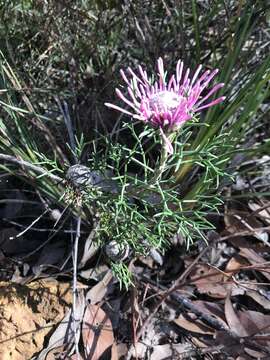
{"x":167,"y":104}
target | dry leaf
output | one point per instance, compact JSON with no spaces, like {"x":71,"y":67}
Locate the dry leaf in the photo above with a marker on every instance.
{"x":235,"y":264}
{"x":231,"y":345}
{"x":263,"y":301}
{"x":213,"y":309}
{"x":254,"y":259}
{"x":122,"y":350}
{"x":90,"y":249}
{"x":255,"y":322}
{"x":210,"y":282}
{"x":74,"y":357}
{"x":97,"y":292}
{"x":194,"y":326}
{"x":237,"y":221}
{"x":244,"y":324}
{"x":255,"y":354}
{"x":264,"y":213}
{"x":64,"y":333}
{"x":214,"y":283}
{"x":199,"y":343}
{"x":97,"y":333}
{"x":137,"y":352}
{"x":61,"y":353}
{"x":166,"y":351}
{"x":232,"y":319}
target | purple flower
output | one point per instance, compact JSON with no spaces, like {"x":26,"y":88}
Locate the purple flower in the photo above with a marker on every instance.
{"x":167,"y":104}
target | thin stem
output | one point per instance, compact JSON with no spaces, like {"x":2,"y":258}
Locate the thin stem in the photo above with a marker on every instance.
{"x":74,"y":287}
{"x":162,"y":164}
{"x":30,"y":166}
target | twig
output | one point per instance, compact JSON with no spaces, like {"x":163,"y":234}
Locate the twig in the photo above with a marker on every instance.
{"x":74,"y":287}
{"x":134,"y":319}
{"x":29,"y":226}
{"x":169,"y":291}
{"x":41,"y":229}
{"x":210,"y":320}
{"x":181,"y":280}
{"x":187,"y":304}
{"x":243,"y":233}
{"x":36,"y":168}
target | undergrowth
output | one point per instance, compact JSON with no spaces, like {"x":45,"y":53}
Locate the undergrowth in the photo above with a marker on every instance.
{"x":58,"y":70}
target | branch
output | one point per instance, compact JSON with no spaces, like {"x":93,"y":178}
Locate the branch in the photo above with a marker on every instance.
{"x":30,"y":166}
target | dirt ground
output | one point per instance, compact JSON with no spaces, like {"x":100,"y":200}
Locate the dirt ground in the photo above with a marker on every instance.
{"x":27,"y":314}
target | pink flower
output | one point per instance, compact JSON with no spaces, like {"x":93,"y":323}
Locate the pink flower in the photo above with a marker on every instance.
{"x":167,"y":104}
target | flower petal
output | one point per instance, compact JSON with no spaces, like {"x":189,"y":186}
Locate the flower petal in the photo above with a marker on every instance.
{"x":115,"y":107}
{"x":214,"y":102}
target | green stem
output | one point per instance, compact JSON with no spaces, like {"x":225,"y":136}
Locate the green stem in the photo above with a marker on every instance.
{"x":162,"y":164}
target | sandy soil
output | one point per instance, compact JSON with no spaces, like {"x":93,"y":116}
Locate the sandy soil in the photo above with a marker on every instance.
{"x":27,"y":314}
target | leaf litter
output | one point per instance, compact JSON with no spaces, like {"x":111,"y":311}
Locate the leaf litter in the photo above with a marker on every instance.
{"x":212,"y":302}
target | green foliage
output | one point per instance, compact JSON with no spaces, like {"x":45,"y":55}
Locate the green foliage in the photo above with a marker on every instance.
{"x":143,"y":212}
{"x":73,"y":50}
{"x":121,"y":272}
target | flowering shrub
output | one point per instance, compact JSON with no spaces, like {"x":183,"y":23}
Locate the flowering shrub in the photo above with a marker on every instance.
{"x":167,"y":104}
{"x":129,"y":194}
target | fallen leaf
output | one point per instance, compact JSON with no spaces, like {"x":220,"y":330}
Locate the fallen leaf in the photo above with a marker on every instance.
{"x":237,"y":221}
{"x":244,"y":358}
{"x":138,"y":351}
{"x":90,"y":248}
{"x":255,"y":354}
{"x":245,"y":324}
{"x":254,"y":321}
{"x":234,"y":265}
{"x":231,"y":345}
{"x":61,"y":353}
{"x":64,"y":334}
{"x":122,"y":350}
{"x":207,"y":280}
{"x":97,"y":333}
{"x":263,"y":301}
{"x":167,"y":351}
{"x":232,"y":318}
{"x":213,"y":309}
{"x":254,"y":259}
{"x":199,"y":343}
{"x":74,"y":357}
{"x":212,"y":282}
{"x":194,"y":326}
{"x":260,"y":210}
{"x":96,"y":273}
{"x":97,"y":292}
